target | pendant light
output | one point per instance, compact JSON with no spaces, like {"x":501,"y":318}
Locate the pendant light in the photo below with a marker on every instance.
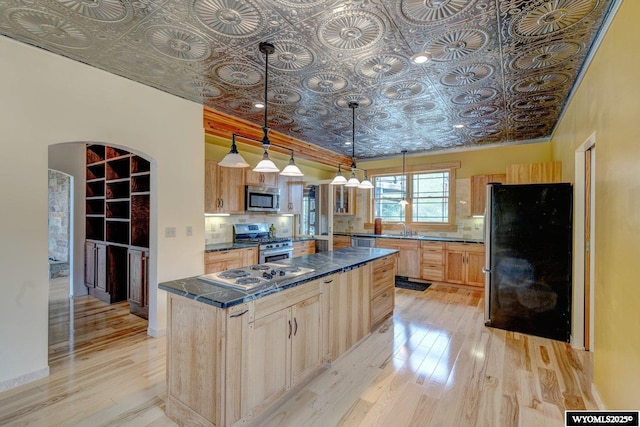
{"x":291,"y":169}
{"x":353,"y":181}
{"x":403,"y":202}
{"x":365,"y":184}
{"x":233,"y":159}
{"x":266,"y":165}
{"x":339,"y":179}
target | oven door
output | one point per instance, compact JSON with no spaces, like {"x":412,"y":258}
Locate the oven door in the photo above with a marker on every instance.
{"x":273,"y":255}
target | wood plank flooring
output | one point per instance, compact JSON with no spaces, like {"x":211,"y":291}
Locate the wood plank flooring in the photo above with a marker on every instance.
{"x":432,"y":364}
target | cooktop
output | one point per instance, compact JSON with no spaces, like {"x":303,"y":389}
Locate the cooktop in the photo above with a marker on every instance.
{"x":259,"y":275}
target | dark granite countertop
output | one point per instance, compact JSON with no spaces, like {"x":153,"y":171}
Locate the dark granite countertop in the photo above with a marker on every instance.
{"x":397,"y":236}
{"x":228,"y":246}
{"x":324,"y":263}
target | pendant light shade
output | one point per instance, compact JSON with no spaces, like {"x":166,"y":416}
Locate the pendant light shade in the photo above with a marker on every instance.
{"x":365,"y":184}
{"x":403,"y":202}
{"x":291,"y":169}
{"x":339,"y":179}
{"x":266,"y":165}
{"x":233,"y":159}
{"x":353,"y":181}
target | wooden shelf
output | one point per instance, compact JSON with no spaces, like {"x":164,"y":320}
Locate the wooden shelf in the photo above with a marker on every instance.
{"x":95,"y":188}
{"x":118,"y":189}
{"x":140,"y":183}
{"x":94,"y":207}
{"x":95,"y":228}
{"x":114,"y":153}
{"x":117,"y":232}
{"x":118,"y":168}
{"x":117,"y":209}
{"x":139,"y":165}
{"x":95,"y":153}
{"x":140,"y":220}
{"x":95,"y":171}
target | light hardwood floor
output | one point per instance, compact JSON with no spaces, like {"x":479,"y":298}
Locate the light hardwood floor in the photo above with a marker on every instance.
{"x":432,"y":364}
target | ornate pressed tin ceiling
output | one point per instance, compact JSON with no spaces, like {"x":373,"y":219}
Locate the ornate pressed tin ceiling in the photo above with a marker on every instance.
{"x":502,"y":68}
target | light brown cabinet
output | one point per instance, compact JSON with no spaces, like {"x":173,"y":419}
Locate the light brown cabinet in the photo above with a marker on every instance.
{"x":223,"y":188}
{"x":229,"y":259}
{"x":383,"y":272}
{"x":285,"y":342}
{"x":350,"y":320}
{"x":291,"y":191}
{"x":260,"y":179}
{"x":464,"y":262}
{"x":341,"y":242}
{"x":432,"y":265}
{"x":95,"y":265}
{"x":409,"y":255}
{"x":479,"y":191}
{"x":534,"y":173}
{"x":207,"y":352}
{"x":304,"y":247}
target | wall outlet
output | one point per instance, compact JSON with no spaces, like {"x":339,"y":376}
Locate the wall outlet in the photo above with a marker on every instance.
{"x":189,"y":230}
{"x":170,"y":232}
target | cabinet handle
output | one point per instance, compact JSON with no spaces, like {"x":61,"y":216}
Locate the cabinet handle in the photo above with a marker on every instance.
{"x":222,"y":203}
{"x":289,"y":329}
{"x":295,"y":320}
{"x":328,"y":281}
{"x":239,"y":314}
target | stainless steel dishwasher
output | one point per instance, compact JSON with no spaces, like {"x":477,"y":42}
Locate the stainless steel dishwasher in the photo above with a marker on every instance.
{"x":363,"y":242}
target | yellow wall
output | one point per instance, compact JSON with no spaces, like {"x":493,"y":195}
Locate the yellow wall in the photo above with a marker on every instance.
{"x":608,"y":103}
{"x":476,"y":162}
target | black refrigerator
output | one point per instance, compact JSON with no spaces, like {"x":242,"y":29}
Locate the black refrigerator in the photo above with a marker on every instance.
{"x":528,"y":241}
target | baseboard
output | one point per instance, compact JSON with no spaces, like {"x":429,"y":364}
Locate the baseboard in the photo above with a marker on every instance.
{"x":156,"y":333}
{"x":24,"y":379}
{"x":596,"y":397}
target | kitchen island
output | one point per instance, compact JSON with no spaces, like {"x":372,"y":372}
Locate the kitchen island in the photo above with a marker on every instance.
{"x":232,"y":354}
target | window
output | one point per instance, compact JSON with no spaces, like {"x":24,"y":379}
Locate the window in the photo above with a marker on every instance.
{"x":430,"y":194}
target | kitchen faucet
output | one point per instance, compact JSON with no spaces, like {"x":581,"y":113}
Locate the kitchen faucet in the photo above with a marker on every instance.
{"x":405,"y":228}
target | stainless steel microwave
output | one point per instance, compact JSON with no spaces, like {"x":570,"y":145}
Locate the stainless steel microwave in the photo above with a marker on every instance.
{"x":262,"y":199}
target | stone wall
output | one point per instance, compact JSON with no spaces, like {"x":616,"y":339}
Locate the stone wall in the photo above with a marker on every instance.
{"x":59,"y":203}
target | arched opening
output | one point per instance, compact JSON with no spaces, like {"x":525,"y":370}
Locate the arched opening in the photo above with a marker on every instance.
{"x":120,"y":203}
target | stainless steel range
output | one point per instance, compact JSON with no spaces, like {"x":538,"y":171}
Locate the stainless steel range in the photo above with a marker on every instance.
{"x":260,"y":275}
{"x":270,"y":249}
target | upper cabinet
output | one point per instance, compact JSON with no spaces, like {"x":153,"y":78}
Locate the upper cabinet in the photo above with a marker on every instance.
{"x":291,"y":191}
{"x":479,"y":192}
{"x":534,"y":173}
{"x":223,"y":188}
{"x":260,"y":179}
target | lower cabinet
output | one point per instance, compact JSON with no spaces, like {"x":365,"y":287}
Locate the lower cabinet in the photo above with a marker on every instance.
{"x":138,"y":282}
{"x":95,"y":266}
{"x":350,"y":300}
{"x":341,"y":242}
{"x":304,"y":247}
{"x":408,"y":255}
{"x":464,"y":262}
{"x":433,"y":261}
{"x":382,"y":288}
{"x":285,"y":342}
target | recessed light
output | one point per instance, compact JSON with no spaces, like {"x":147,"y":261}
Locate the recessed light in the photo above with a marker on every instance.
{"x":458,"y":126}
{"x":421,"y":57}
{"x":258,"y":105}
{"x":347,"y":143}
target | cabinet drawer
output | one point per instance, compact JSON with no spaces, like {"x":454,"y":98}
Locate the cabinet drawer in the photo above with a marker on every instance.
{"x":433,"y":272}
{"x":276,"y":302}
{"x":465,"y":247}
{"x":221,"y":256}
{"x":431,"y":256}
{"x":381,"y":306}
{"x":387,"y":261}
{"x":382,"y":279}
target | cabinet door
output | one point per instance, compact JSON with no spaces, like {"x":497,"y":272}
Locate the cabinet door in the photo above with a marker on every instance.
{"x":269,"y":358}
{"x":137,"y":277}
{"x":306,"y":350}
{"x":475,"y":262}
{"x":409,"y":256}
{"x":350,"y":301}
{"x":479,"y":191}
{"x":101,"y":266}
{"x":343,"y":200}
{"x":238,"y":385}
{"x":261,"y":179}
{"x":231,"y":190}
{"x":211,"y":198}
{"x":455,"y":266}
{"x":90,"y":264}
{"x":250,"y":256}
{"x":295,"y":189}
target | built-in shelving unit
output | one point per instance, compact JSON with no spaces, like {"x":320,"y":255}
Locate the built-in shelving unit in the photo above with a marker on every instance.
{"x":117,"y":215}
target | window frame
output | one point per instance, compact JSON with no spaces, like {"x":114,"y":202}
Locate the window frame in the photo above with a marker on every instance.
{"x":449,"y":167}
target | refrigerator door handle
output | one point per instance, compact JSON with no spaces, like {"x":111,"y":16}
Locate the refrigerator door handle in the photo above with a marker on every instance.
{"x":487,"y":257}
{"x":486,"y":270}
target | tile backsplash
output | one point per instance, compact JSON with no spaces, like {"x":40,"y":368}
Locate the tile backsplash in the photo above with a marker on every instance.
{"x":468,"y":227}
{"x":219,"y":229}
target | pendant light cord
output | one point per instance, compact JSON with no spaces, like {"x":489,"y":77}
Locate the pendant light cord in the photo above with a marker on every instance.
{"x":353,"y":105}
{"x":267,"y":49}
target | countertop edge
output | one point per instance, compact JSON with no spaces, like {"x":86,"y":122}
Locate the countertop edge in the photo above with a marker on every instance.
{"x":209,"y":291}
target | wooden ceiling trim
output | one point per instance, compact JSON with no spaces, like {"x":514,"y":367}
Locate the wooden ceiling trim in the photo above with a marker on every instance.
{"x":223,"y":126}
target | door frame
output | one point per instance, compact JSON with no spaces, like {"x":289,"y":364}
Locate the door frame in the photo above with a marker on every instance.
{"x":579,"y":316}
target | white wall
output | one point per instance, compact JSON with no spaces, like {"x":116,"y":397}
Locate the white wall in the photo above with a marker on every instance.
{"x":47,"y":99}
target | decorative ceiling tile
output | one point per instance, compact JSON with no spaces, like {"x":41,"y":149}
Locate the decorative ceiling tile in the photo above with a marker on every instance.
{"x":502,"y":68}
